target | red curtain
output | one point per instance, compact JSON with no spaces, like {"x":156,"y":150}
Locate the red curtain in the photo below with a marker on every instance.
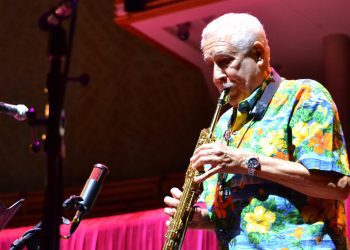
{"x":141,"y":230}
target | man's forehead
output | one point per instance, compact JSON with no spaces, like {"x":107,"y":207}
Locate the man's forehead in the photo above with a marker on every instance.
{"x":212,"y":40}
{"x":222,"y":36}
{"x":215,"y":46}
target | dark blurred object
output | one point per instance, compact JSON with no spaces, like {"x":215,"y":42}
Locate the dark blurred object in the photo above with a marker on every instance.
{"x":83,"y":79}
{"x":144,"y":5}
{"x":134,"y":5}
{"x":56,"y":15}
{"x":183,"y":31}
{"x":6,"y":214}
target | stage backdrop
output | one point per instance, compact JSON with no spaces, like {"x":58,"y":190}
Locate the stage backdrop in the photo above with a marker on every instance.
{"x":140,"y":115}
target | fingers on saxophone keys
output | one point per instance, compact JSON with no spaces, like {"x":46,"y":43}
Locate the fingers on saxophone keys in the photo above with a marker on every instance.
{"x":171,"y":202}
{"x":200,"y":152}
{"x":204,"y":146}
{"x":169,"y":211}
{"x":176,"y":193}
{"x":202,"y":177}
{"x":210,"y":172}
{"x":205,"y":159}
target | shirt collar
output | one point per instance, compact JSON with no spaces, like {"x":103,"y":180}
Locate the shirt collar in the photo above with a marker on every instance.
{"x":248,"y":104}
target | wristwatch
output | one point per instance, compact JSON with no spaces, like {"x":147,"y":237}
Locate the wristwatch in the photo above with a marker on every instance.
{"x":253,"y":164}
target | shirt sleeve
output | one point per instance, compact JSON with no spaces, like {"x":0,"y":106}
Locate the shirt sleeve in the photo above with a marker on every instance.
{"x":317,"y":136}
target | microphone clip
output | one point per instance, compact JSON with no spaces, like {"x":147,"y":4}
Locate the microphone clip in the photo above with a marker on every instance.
{"x":73,"y":202}
{"x":56,"y":15}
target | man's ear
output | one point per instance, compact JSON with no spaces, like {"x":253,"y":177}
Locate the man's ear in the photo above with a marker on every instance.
{"x":259,"y":52}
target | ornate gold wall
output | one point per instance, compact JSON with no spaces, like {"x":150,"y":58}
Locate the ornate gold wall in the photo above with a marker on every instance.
{"x":140,"y":115}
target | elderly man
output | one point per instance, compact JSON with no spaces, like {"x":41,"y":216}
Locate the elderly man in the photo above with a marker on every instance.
{"x":277,"y":174}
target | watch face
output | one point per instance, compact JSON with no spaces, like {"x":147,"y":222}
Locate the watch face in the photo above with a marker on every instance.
{"x":253,"y":163}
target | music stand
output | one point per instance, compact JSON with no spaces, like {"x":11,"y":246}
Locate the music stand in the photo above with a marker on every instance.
{"x":6,"y":214}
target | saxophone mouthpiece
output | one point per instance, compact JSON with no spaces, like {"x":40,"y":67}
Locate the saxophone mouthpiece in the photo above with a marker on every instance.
{"x":224,"y":94}
{"x":223,"y":98}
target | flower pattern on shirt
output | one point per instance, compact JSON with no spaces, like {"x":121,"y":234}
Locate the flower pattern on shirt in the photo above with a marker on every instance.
{"x":260,"y":220}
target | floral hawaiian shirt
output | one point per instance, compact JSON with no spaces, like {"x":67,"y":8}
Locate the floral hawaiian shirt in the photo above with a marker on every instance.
{"x":301,"y":124}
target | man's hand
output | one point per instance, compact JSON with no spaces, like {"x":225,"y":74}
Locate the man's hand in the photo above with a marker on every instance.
{"x":200,"y":217}
{"x":172,"y":203}
{"x":222,"y":158}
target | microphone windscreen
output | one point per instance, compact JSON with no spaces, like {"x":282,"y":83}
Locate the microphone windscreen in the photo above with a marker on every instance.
{"x":93,"y":186}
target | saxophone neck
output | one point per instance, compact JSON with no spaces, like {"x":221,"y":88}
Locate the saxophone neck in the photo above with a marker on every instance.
{"x":221,"y":102}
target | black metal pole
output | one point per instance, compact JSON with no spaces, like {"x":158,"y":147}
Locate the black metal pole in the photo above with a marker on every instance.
{"x":56,"y":85}
{"x":59,"y":55}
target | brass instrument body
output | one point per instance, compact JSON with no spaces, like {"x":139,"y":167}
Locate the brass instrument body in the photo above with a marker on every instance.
{"x":179,"y":223}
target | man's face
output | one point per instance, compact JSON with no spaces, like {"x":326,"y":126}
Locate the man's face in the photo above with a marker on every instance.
{"x":231,"y":67}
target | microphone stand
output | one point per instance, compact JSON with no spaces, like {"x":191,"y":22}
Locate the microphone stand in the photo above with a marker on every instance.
{"x":31,"y":238}
{"x":59,"y":52}
{"x":82,"y":204}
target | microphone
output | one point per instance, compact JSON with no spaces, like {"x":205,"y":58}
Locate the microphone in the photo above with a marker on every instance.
{"x":89,"y":194}
{"x":56,"y":15}
{"x":19,"y":112}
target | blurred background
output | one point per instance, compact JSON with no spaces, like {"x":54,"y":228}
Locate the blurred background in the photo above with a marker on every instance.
{"x":149,"y":93}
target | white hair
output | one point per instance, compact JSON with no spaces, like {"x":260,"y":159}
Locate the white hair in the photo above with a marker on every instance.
{"x":244,"y":29}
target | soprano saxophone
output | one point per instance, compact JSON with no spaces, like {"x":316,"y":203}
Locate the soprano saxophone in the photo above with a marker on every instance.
{"x":178,"y":224}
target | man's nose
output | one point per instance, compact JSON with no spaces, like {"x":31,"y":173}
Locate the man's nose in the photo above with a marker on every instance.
{"x":219,"y":75}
